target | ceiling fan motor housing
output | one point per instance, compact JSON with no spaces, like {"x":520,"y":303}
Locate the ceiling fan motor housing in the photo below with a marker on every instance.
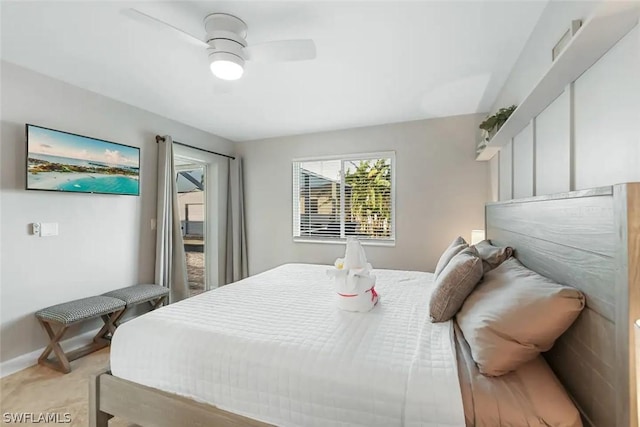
{"x":225,"y":37}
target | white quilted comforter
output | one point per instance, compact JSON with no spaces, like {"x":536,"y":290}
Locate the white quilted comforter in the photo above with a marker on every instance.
{"x":273,"y":347}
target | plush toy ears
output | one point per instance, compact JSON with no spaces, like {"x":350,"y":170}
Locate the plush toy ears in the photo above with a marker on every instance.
{"x":354,"y":256}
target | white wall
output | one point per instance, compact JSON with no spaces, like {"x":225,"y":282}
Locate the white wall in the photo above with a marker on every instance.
{"x":607,"y":117}
{"x":505,"y":176}
{"x":587,"y":137}
{"x":494,"y":178}
{"x":105,"y":242}
{"x":523,"y":163}
{"x":440,"y":191}
{"x":553,"y":147}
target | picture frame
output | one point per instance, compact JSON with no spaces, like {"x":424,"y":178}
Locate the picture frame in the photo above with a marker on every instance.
{"x":67,"y":162}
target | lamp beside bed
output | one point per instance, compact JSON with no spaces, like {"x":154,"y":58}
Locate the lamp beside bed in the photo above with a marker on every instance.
{"x":477,"y":236}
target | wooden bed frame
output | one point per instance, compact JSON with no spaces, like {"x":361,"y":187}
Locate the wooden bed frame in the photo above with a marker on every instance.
{"x":587,"y":239}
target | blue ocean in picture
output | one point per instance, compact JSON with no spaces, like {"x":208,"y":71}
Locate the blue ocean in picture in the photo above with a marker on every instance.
{"x":109,"y":184}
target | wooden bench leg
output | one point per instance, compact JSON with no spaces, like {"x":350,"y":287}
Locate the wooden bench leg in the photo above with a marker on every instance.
{"x":153,"y":303}
{"x":109,"y":327}
{"x":62,"y":361}
{"x":116,"y":321}
{"x":62,"y":364}
{"x":118,"y":317}
{"x":157,"y":303}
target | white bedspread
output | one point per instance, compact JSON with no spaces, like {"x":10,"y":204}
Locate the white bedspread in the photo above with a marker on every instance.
{"x":273,"y":347}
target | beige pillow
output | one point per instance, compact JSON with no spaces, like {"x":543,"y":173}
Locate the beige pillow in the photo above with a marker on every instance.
{"x":515,"y":314}
{"x":454,"y":248}
{"x":492,"y":256}
{"x":454,"y":284}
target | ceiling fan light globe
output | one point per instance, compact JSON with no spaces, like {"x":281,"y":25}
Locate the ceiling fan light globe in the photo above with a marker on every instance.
{"x":226,"y":65}
{"x":226,"y":70}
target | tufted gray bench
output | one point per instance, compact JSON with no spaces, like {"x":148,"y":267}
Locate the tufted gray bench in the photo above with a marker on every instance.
{"x":62,"y":316}
{"x":155,"y":295}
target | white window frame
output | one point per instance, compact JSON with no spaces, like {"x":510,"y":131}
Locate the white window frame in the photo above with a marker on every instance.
{"x":391,"y":241}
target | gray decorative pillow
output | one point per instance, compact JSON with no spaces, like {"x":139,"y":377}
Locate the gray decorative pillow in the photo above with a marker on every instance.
{"x":454,"y":248}
{"x":492,"y":256}
{"x":454,"y":284}
{"x":514,"y":315}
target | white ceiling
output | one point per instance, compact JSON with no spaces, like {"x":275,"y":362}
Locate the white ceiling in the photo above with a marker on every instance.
{"x":378,"y":62}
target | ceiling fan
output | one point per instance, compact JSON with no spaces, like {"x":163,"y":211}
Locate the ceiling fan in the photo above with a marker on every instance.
{"x":226,"y":45}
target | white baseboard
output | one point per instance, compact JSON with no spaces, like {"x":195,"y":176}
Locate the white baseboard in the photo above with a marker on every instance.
{"x":26,"y":360}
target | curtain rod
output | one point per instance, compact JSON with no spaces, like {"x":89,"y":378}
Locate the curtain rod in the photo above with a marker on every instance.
{"x":161,"y":138}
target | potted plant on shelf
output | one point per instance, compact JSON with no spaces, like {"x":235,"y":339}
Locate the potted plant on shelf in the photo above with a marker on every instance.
{"x":493,"y":123}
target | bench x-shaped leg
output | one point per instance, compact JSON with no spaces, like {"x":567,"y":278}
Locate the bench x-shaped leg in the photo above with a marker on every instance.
{"x":109,"y":327}
{"x":62,"y":360}
{"x":63,"y":364}
{"x":157,"y":303}
{"x":154,"y":303}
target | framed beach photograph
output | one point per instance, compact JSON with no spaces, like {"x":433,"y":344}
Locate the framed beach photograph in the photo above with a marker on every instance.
{"x":62,"y":161}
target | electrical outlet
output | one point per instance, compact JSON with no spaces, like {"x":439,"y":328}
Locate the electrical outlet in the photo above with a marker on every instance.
{"x":35,"y":228}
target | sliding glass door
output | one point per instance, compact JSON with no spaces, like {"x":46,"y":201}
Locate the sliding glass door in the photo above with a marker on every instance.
{"x":203,"y":182}
{"x":191,"y":179}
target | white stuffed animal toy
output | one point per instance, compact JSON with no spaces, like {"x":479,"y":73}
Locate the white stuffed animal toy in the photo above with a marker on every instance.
{"x":354,"y":283}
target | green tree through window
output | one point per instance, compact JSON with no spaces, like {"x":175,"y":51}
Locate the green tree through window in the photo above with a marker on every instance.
{"x":370,"y":202}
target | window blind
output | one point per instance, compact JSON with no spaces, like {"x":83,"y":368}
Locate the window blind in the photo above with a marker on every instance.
{"x":335,"y":198}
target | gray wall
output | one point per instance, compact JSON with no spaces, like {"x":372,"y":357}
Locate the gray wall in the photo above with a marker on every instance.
{"x":589,"y":136}
{"x":105,"y":242}
{"x":440,"y":188}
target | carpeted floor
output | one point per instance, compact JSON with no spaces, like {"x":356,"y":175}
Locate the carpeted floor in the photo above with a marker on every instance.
{"x":38,"y":389}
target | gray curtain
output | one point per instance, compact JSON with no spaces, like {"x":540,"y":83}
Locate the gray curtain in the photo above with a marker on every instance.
{"x":171,"y":265}
{"x":236,"y":265}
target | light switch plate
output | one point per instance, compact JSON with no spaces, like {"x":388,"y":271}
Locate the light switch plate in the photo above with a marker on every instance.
{"x":48,"y":229}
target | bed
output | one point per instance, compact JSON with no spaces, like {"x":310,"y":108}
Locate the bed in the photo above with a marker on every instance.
{"x":249,"y":345}
{"x":164,"y":375}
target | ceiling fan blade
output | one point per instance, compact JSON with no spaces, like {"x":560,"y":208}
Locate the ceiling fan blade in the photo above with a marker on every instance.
{"x":150,"y":20}
{"x":282,"y":50}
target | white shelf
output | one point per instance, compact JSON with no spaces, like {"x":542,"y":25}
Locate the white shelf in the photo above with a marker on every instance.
{"x":610,"y":22}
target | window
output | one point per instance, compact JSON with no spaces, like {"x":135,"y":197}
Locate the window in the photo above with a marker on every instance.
{"x":335,"y":198}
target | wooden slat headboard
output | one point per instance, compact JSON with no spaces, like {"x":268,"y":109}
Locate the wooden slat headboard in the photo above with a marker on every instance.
{"x":589,"y":240}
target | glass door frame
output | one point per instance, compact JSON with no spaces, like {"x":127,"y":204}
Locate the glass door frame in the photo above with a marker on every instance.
{"x":191,"y":164}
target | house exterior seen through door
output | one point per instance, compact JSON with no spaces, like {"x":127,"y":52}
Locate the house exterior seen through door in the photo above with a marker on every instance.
{"x":191,"y":201}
